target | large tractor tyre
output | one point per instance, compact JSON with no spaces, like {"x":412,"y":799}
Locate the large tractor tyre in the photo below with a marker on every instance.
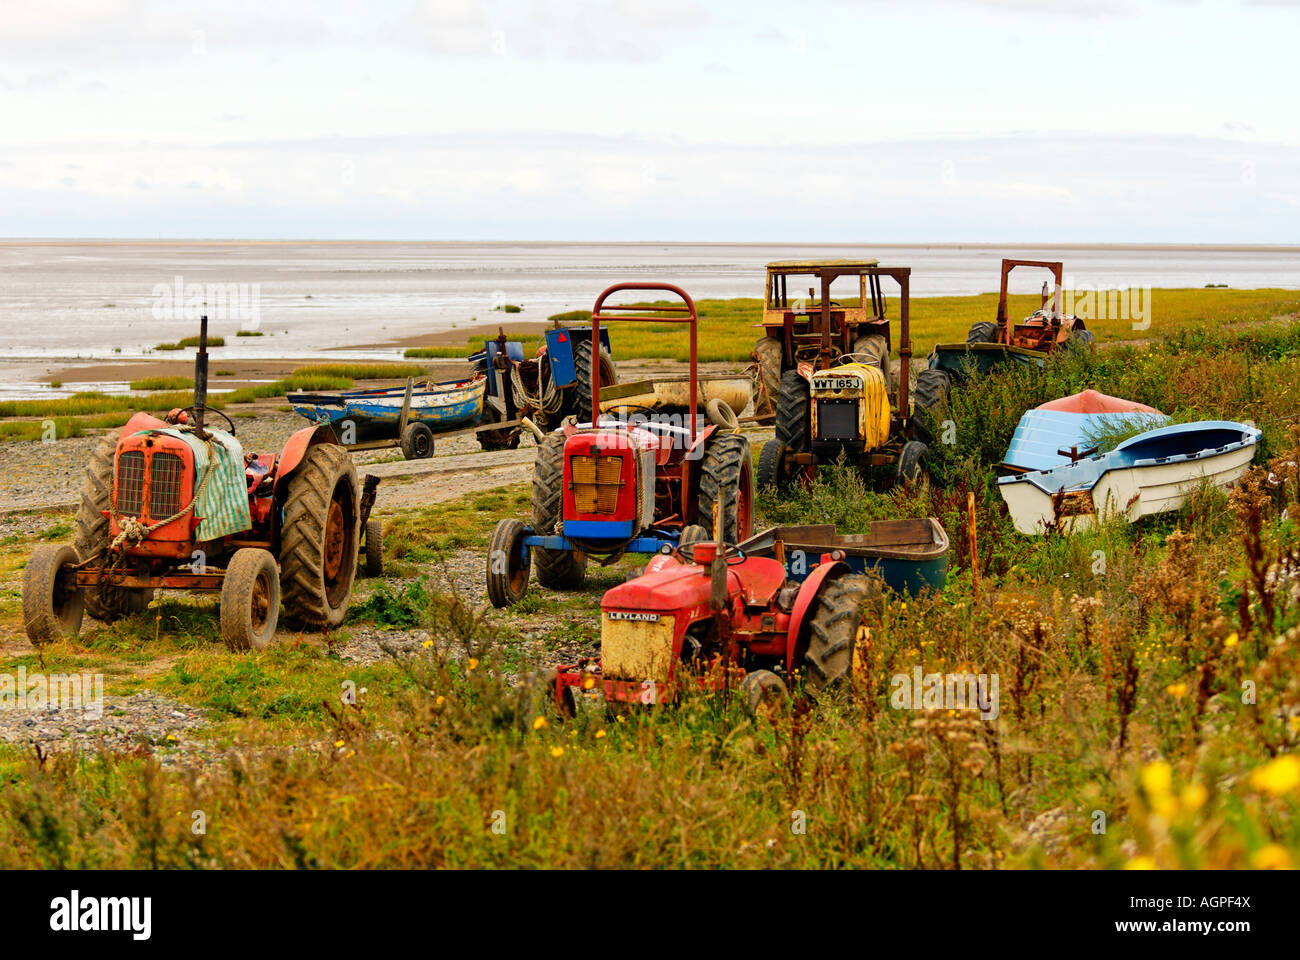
{"x":727,"y":479}
{"x":985,"y":331}
{"x":763,"y":694}
{"x":769,"y":353}
{"x":52,"y":601}
{"x":556,"y":569}
{"x":250,"y":600}
{"x":793,"y":407}
{"x":836,"y":618}
{"x":504,"y":439}
{"x":507,"y":567}
{"x":873,"y":348}
{"x":1082,"y":340}
{"x":374,"y":547}
{"x":913,"y":462}
{"x":320,"y":537}
{"x":580,"y":395}
{"x":416,"y":441}
{"x":93,"y":535}
{"x":929,"y":396}
{"x":773,"y":471}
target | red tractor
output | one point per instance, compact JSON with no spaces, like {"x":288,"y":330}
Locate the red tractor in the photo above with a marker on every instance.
{"x":633,"y":480}
{"x":174,"y":505}
{"x":706,"y":613}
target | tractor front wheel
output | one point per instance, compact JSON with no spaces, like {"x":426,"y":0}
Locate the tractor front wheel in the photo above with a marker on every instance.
{"x":873,"y":348}
{"x":793,"y":404}
{"x":250,"y":600}
{"x":913,"y":462}
{"x":374,"y":547}
{"x":52,"y":601}
{"x":931,"y":393}
{"x":774,"y":473}
{"x":556,"y":569}
{"x":763,"y":694}
{"x":833,"y":631}
{"x":320,"y":537}
{"x":508,"y":567}
{"x":727,"y":480}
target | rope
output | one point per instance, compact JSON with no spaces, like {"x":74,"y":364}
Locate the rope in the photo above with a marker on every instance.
{"x":548,"y":400}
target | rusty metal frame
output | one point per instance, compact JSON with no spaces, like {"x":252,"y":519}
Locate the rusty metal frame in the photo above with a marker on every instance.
{"x":1006,"y":333}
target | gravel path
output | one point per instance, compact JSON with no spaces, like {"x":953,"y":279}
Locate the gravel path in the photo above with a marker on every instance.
{"x":143,"y":722}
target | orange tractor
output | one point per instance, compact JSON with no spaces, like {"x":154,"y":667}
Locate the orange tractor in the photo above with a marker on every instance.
{"x":172,"y":504}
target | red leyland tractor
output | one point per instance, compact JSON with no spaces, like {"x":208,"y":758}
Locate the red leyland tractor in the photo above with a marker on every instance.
{"x":631,"y":480}
{"x":172,"y":504}
{"x":708,"y":614}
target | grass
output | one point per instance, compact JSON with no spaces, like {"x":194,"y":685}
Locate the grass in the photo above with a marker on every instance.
{"x":162,"y":383}
{"x":249,"y":333}
{"x":191,"y":342}
{"x":1146,"y":671}
{"x":361,"y":371}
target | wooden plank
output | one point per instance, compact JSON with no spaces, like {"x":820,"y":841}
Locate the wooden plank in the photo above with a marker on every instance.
{"x":406,"y":407}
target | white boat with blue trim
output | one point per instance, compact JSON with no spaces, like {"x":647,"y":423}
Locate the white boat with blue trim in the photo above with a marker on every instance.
{"x":1150,"y":473}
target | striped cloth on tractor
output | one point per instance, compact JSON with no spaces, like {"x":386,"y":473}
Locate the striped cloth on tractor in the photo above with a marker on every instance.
{"x":222,"y":508}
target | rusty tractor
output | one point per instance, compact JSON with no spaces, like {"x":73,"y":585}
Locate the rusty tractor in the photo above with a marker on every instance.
{"x":629,"y":480}
{"x":173,"y":504}
{"x":833,"y":399}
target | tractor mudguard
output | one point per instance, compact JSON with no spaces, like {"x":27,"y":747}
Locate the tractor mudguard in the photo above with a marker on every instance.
{"x":144,"y":421}
{"x":823,"y":573}
{"x":696,"y":450}
{"x":297,"y":447}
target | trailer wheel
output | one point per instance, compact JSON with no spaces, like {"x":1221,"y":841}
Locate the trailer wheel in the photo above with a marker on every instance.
{"x":875,"y":346}
{"x":985,"y":331}
{"x":769,"y":353}
{"x":417,"y":441}
{"x":727,"y":479}
{"x":836,"y":616}
{"x":913,"y":461}
{"x":504,"y":439}
{"x":793,"y":404}
{"x":374,"y":547}
{"x":773,"y":472}
{"x":581,"y":405}
{"x":319,"y":538}
{"x":53,"y":604}
{"x":556,"y":569}
{"x":250,"y":600}
{"x":93,"y":534}
{"x":507,"y":564}
{"x":763,"y":694}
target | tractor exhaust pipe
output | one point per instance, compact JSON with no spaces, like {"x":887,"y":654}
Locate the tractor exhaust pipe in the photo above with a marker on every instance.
{"x":201,"y":378}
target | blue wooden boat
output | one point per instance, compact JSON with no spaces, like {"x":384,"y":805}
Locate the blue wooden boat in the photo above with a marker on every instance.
{"x":376,"y":414}
{"x":1073,"y":423}
{"x":1151,"y":473}
{"x":910,"y":555}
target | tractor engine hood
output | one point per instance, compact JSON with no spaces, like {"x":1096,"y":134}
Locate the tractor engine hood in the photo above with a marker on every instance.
{"x":671,"y":586}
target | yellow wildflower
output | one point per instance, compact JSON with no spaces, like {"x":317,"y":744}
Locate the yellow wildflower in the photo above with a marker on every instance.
{"x":539,"y":723}
{"x":1178,"y":690}
{"x":1279,"y":776}
{"x":1271,"y":857}
{"x":1141,"y":862}
{"x":472,"y":663}
{"x":557,"y":751}
{"x":599,"y":734}
{"x":1231,"y":639}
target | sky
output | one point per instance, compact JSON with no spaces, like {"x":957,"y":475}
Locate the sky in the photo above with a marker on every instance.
{"x":1161,"y":121}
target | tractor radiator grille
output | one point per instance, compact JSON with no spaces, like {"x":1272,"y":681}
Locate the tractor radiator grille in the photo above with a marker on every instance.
{"x":130,"y":483}
{"x":165,"y":486}
{"x":596,"y":483}
{"x":837,"y":420}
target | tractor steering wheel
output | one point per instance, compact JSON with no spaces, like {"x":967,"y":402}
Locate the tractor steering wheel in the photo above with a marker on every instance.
{"x":230,"y":423}
{"x":624,"y":408}
{"x":730,"y":552}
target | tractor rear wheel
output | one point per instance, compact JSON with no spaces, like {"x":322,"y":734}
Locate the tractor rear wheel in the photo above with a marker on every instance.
{"x":834,"y":628}
{"x":52,"y":601}
{"x":873,"y":348}
{"x":556,"y":569}
{"x":581,"y":398}
{"x":769,"y":353}
{"x":374,"y":547}
{"x":1082,"y":340}
{"x":93,"y":535}
{"x":727,"y":479}
{"x":985,"y":331}
{"x":793,"y":404}
{"x":250,"y":600}
{"x":320,"y":537}
{"x":508,"y":567}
